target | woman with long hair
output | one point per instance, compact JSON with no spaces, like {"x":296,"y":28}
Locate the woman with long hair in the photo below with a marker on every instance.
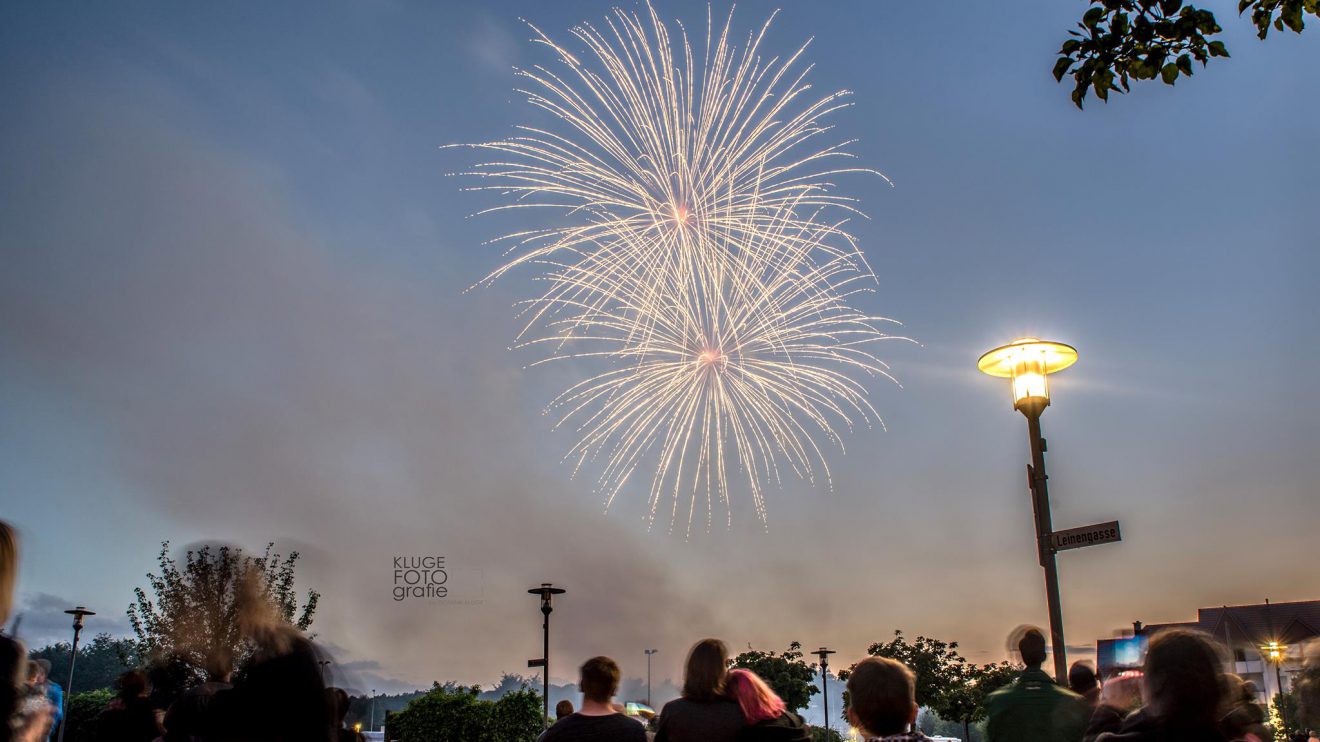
{"x":1182,"y":689}
{"x":705,"y":713}
{"x":768,"y":718}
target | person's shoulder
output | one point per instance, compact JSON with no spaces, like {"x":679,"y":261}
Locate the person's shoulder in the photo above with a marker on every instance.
{"x":677,"y":703}
{"x":999,"y":694}
{"x":786,"y":720}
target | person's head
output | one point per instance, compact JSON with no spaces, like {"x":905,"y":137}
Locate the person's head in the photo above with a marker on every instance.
{"x":599,"y":679}
{"x":1233,"y":689}
{"x":44,"y":665}
{"x":1082,"y":679}
{"x":219,"y":665}
{"x":1031,"y":645}
{"x":1122,"y":692}
{"x":8,"y":568}
{"x":703,"y":678}
{"x":563,"y":708}
{"x":882,"y":696}
{"x":1182,"y":683}
{"x":34,"y":676}
{"x":132,"y":684}
{"x":757,"y":700}
{"x":337,"y":700}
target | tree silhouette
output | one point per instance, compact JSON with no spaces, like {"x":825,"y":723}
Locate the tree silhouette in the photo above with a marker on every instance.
{"x":194,"y":611}
{"x":787,"y":673}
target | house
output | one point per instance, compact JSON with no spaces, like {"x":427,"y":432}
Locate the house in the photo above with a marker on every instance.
{"x":1263,"y":643}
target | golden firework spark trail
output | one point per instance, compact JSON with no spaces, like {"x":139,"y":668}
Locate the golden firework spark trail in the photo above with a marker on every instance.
{"x":700,"y":266}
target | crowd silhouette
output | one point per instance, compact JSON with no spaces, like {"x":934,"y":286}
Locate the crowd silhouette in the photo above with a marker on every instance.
{"x":1180,"y":694}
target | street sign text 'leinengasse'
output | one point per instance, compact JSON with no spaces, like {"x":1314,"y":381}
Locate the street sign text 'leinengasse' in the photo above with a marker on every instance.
{"x":1074,"y":538}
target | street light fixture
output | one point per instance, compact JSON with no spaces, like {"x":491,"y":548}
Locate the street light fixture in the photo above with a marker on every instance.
{"x":547,"y":592}
{"x":1275,"y":652}
{"x":78,"y":614}
{"x":824,"y":655}
{"x":649,"y":652}
{"x":1027,"y":363}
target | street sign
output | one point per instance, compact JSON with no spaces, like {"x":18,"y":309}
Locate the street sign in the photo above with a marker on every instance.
{"x":1075,"y":538}
{"x":536,"y":663}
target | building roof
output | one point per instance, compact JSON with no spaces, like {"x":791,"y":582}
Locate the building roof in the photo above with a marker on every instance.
{"x":1257,"y":625}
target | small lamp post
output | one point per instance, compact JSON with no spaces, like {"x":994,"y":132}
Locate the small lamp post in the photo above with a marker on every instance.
{"x":373,"y":709}
{"x":78,"y":614}
{"x":1027,"y":363}
{"x":649,"y":652}
{"x":824,"y":655}
{"x":547,"y":592}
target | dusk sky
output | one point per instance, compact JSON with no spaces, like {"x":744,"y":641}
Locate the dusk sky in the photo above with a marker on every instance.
{"x":233,"y":308}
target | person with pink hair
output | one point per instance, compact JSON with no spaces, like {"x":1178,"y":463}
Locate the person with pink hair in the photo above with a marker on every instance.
{"x":768,"y":718}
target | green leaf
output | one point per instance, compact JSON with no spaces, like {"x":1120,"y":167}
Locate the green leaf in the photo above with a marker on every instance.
{"x":1169,"y":73}
{"x":1070,"y":46}
{"x":1293,"y":17}
{"x":1185,"y":65}
{"x":1217,"y":49}
{"x":1092,"y":17}
{"x":1061,"y":68}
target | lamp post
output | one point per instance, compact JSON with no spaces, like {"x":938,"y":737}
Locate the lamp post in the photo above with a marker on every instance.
{"x":1275,"y":652}
{"x":78,"y":614}
{"x":547,"y":592}
{"x":649,"y":652}
{"x":373,"y":709}
{"x":1028,"y":362}
{"x":824,"y":655}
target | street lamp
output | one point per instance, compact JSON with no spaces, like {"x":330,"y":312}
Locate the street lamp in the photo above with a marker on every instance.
{"x":824,"y":655}
{"x":1027,"y":363}
{"x":373,"y":709}
{"x":1276,"y":652}
{"x":78,"y":614}
{"x":547,"y":592}
{"x":649,"y":652}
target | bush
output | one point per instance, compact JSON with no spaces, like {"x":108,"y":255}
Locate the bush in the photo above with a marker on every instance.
{"x":81,"y":712}
{"x":454,"y":714}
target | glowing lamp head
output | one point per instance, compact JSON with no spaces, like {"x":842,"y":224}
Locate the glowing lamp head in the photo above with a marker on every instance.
{"x":1275,"y":651}
{"x":1027,"y":363}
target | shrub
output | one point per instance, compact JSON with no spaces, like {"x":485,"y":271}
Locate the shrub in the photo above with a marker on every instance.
{"x":81,"y":712}
{"x":454,"y":714}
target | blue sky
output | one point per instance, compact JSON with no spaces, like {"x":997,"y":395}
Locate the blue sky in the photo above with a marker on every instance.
{"x":233,"y":309}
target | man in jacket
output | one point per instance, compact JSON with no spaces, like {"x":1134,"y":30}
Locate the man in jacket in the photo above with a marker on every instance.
{"x":1034,"y":708}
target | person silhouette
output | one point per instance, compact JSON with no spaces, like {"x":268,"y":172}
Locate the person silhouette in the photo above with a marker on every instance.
{"x":1034,"y":708}
{"x":704,"y":713}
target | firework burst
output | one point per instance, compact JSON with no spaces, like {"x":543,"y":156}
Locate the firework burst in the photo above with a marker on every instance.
{"x":700,"y":264}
